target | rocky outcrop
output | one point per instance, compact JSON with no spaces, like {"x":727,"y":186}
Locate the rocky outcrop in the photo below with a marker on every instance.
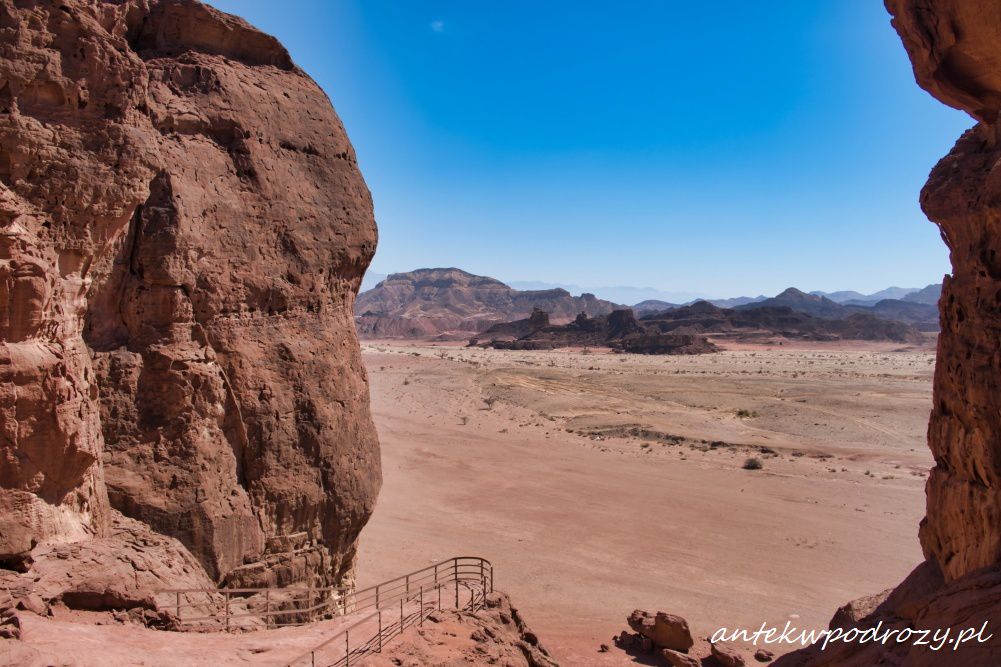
{"x":955,"y":47}
{"x":667,"y":343}
{"x":121,"y":570}
{"x":663,"y":629}
{"x":494,"y":635}
{"x":618,"y":330}
{"x":956,"y":50}
{"x":183,"y":229}
{"x":450,"y":302}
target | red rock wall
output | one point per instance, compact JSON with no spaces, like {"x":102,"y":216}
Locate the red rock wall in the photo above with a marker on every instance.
{"x":201,"y":226}
{"x":955,"y":46}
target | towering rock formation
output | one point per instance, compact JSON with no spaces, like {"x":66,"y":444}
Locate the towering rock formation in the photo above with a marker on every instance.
{"x":955,"y":47}
{"x":183,"y":230}
{"x":956,"y":50}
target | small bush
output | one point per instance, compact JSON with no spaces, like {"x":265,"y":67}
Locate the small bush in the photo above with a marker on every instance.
{"x":753,"y":463}
{"x":746,"y":414}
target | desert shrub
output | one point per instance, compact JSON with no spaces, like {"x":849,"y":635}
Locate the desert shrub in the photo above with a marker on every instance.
{"x":753,"y":463}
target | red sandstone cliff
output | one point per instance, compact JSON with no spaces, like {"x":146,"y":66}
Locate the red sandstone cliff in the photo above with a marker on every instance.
{"x":955,"y":47}
{"x":183,"y":230}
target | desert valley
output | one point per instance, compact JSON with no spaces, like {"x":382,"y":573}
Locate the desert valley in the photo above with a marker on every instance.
{"x":225,"y":441}
{"x":602,"y":482}
{"x":786,"y":445}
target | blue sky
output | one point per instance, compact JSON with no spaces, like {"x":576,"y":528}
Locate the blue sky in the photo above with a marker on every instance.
{"x":718,"y":148}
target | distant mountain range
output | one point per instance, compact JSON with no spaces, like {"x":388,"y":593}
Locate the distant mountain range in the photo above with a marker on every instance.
{"x":449,"y":302}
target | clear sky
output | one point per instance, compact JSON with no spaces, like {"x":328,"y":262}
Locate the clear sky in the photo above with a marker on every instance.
{"x":722,"y":148}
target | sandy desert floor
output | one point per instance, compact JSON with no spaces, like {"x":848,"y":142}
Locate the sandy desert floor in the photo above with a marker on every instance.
{"x":600,"y":483}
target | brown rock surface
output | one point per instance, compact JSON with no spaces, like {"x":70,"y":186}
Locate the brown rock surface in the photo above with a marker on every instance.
{"x":851,"y":613}
{"x":679,"y":659}
{"x":955,"y":47}
{"x":495,"y":635}
{"x":663,"y":629}
{"x":183,"y":229}
{"x":121,"y":570}
{"x":726,"y":655}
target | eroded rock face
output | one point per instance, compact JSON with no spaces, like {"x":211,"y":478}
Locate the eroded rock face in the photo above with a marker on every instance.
{"x":956,"y":50}
{"x":73,"y":167}
{"x":183,"y":235}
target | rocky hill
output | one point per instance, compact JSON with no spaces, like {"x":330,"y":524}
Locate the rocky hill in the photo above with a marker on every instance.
{"x":183,"y":229}
{"x":652,"y":306}
{"x":922,"y":315}
{"x":811,"y":304}
{"x":452,"y":302}
{"x":927,"y":295}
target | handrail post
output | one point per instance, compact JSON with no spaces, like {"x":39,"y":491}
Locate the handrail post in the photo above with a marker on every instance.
{"x":377,"y":595}
{"x":267,"y":607}
{"x":177,"y":609}
{"x":421,"y":617}
{"x":380,"y":631}
{"x":456,"y":572}
{"x":347,"y":648}
{"x":407,"y":586}
{"x":401,"y":616}
{"x":227,"y":611}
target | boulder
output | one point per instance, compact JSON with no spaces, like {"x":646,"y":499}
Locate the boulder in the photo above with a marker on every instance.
{"x":726,"y":655}
{"x":679,"y":659}
{"x":849,"y":614}
{"x":663,"y":629}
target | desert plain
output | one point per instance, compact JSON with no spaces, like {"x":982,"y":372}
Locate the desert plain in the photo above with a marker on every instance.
{"x":598,"y":483}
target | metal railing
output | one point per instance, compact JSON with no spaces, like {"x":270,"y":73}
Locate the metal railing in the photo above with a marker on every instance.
{"x":464,"y":581}
{"x":461,"y":582}
{"x":250,"y":608}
